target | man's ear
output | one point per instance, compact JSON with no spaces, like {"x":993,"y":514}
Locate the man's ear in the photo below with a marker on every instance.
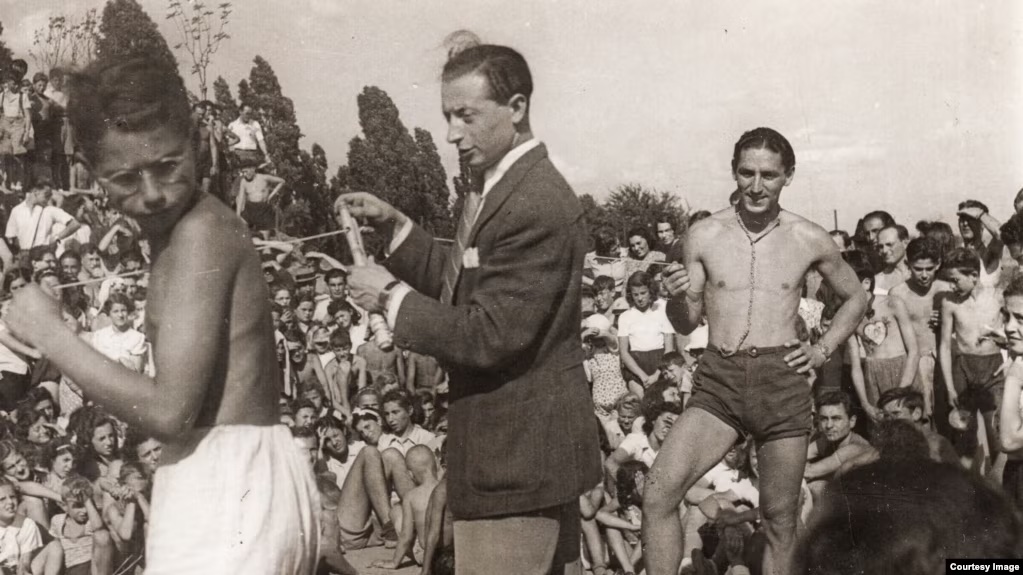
{"x":519,"y":105}
{"x":852,"y":421}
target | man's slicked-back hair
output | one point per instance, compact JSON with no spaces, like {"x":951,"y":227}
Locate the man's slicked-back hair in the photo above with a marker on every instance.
{"x":505,"y":69}
{"x":768,"y":139}
{"x":133,"y":95}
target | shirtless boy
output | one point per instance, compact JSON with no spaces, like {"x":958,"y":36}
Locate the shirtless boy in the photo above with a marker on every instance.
{"x":966,"y":317}
{"x":232,"y":494}
{"x":922,"y":294}
{"x":744,"y":267}
{"x":255,"y":193}
{"x":889,"y":349}
{"x":422,"y":466}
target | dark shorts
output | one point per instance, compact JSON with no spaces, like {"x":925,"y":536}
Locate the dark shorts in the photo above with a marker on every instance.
{"x":648,"y":361}
{"x":974,"y":379}
{"x":259,"y":215}
{"x":755,"y":392}
{"x":1012,"y":481}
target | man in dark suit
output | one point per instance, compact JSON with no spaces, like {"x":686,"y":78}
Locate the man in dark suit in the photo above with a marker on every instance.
{"x":501,"y":308}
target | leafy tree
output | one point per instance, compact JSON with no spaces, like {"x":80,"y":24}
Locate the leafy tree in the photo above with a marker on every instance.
{"x":6,"y":57}
{"x":632,"y":205}
{"x":223,"y":98}
{"x":127,"y":31}
{"x":403,"y":170}
{"x":66,"y":40}
{"x":595,"y":214}
{"x":202,"y":31}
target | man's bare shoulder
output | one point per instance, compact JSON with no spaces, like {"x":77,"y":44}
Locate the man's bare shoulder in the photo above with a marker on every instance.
{"x":900,"y":291}
{"x":805,"y":230}
{"x":213,"y":225}
{"x":708,"y":228}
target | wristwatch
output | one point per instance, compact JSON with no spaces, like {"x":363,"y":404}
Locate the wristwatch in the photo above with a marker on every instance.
{"x":385,"y":295}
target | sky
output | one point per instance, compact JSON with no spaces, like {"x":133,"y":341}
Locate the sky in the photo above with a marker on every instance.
{"x":906,"y":106}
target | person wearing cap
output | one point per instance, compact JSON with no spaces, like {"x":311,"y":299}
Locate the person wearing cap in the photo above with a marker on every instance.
{"x":501,"y":309}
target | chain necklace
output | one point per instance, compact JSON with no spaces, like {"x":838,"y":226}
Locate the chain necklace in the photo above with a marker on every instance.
{"x":752,"y":274}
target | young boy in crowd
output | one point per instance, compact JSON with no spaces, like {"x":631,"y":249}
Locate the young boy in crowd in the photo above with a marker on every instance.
{"x":411,"y":522}
{"x":922,"y":294}
{"x":88,"y":546}
{"x":674,"y":369}
{"x":890,"y":355}
{"x":21,"y":545}
{"x":974,"y":371}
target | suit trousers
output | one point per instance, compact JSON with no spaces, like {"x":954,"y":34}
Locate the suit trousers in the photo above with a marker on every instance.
{"x":534,"y":543}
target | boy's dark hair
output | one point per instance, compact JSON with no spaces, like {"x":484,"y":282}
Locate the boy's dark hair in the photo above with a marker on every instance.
{"x":835,"y":398}
{"x":768,"y":139}
{"x":603,"y":240}
{"x":27,"y":417}
{"x":672,"y":358}
{"x":898,"y":440}
{"x":131,"y":466}
{"x":964,"y":260}
{"x":1011,"y":232}
{"x":330,"y":422}
{"x":118,"y":298}
{"x":1015,"y":287}
{"x":505,"y":69}
{"x":654,"y":409}
{"x":130,"y":96}
{"x":302,"y":403}
{"x":76,"y":489}
{"x":908,"y":517}
{"x":304,"y":432}
{"x":340,"y":338}
{"x":601,"y":283}
{"x":625,"y":481}
{"x":906,"y":396}
{"x":335,"y":273}
{"x":339,"y":305}
{"x":965,"y":204}
{"x":36,"y":253}
{"x":399,"y":396}
{"x":923,"y":248}
{"x":861,"y":266}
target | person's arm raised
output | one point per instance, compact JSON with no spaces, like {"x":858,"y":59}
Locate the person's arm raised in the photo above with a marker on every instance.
{"x":188,"y":342}
{"x":686,"y":283}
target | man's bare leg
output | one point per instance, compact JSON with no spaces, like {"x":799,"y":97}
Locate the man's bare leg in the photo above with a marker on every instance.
{"x":696,"y":442}
{"x":781,"y":464}
{"x":364,"y":491}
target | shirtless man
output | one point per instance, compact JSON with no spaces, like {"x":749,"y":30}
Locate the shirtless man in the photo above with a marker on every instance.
{"x":752,"y":378}
{"x":973,"y":220}
{"x":922,"y":293}
{"x":232,"y":493}
{"x":255,"y":193}
{"x":967,"y":316}
{"x":891,"y":242}
{"x":411,"y":523}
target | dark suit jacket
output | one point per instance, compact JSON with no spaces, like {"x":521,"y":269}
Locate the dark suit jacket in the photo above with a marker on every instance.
{"x":522,"y":434}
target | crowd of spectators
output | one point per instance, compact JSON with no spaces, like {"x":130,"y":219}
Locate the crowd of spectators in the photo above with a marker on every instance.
{"x":923,"y":378}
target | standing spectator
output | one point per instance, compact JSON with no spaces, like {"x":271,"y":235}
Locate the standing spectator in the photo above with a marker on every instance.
{"x":891,"y":243}
{"x":644,"y":333}
{"x":63,"y":138}
{"x":606,"y":260}
{"x":32,"y":222}
{"x":15,"y":130}
{"x":668,"y":238}
{"x":250,"y":149}
{"x":41,"y":113}
{"x":973,"y":220}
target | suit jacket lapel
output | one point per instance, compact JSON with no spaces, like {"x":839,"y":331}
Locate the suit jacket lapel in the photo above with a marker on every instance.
{"x":503,"y":189}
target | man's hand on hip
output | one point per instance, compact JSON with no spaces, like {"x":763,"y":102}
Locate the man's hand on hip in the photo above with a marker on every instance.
{"x":371,"y":208}
{"x":366,"y":283}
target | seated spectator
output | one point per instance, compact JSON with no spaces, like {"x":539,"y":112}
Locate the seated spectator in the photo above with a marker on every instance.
{"x":623,"y":517}
{"x":367,"y":424}
{"x":402,"y":436}
{"x":834,"y":443}
{"x":659,"y":416}
{"x":675,"y":370}
{"x":21,"y":544}
{"x":606,"y":260}
{"x":908,"y":517}
{"x":606,"y":301}
{"x":640,"y":253}
{"x":335,"y":450}
{"x":411,"y":521}
{"x":145,"y":449}
{"x":332,"y":551}
{"x":88,"y":546}
{"x":120,"y":341}
{"x":17,"y":470}
{"x":907,"y":404}
{"x":127,"y":514}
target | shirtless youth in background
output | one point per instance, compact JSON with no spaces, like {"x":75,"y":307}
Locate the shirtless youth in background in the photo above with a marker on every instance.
{"x":744,"y":267}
